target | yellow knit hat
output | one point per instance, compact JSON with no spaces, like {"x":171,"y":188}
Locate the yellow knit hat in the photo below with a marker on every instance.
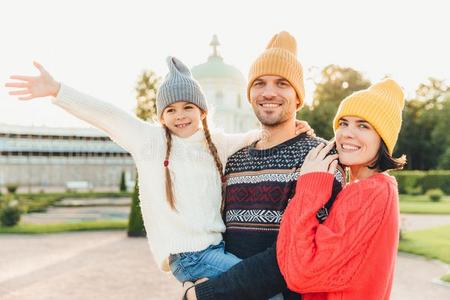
{"x":381,"y":105}
{"x":279,"y":58}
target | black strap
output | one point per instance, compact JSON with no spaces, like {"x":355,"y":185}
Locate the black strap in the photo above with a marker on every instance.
{"x":323,"y":212}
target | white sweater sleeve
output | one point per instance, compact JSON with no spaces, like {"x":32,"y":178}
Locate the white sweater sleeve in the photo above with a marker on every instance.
{"x":123,"y":128}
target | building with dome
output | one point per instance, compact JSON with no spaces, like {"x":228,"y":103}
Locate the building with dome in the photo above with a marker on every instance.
{"x":225,"y":90}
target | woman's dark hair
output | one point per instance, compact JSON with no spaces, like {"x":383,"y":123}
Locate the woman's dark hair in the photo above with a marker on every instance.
{"x":385,"y":161}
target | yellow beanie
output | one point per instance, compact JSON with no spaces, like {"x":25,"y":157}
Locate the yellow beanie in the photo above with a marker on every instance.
{"x":381,"y":105}
{"x":279,"y":58}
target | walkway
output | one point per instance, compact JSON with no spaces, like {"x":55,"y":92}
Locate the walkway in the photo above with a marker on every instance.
{"x":108,"y":265}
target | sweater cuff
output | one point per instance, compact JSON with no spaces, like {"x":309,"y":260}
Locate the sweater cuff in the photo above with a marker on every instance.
{"x":65,"y":94}
{"x":320,"y":183}
{"x":60,"y":95}
{"x":204,"y":291}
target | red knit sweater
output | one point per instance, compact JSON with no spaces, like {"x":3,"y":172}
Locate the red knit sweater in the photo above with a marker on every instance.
{"x":352,"y":254}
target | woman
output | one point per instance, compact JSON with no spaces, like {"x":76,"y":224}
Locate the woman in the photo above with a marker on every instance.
{"x":351,"y":255}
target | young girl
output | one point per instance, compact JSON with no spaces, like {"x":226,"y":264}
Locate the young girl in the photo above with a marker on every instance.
{"x":351,"y":255}
{"x":180,"y":166}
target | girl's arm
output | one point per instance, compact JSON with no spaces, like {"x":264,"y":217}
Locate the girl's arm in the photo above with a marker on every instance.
{"x":121,"y":127}
{"x":236,"y":141}
{"x":229,"y":143}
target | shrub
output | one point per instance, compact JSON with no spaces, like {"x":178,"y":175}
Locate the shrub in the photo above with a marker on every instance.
{"x":10,"y":216}
{"x":436,"y":180}
{"x":12,"y":188}
{"x":435,"y":195}
{"x":415,"y":191}
{"x":409,"y":181}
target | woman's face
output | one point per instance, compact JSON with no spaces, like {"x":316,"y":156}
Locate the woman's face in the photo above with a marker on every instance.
{"x":182,"y":118}
{"x":357,"y":142}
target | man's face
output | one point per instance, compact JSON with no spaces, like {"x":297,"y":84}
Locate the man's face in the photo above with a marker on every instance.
{"x":274,"y":100}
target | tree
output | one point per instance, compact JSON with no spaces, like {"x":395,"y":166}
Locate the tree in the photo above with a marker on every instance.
{"x":146,"y":89}
{"x":424,"y":137}
{"x":135,"y":223}
{"x":123,"y":184}
{"x":444,"y":160}
{"x":413,"y":139}
{"x":335,"y":83}
{"x":441,"y":135}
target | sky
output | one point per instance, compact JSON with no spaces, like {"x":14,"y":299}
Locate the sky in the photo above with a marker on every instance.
{"x":100,"y":47}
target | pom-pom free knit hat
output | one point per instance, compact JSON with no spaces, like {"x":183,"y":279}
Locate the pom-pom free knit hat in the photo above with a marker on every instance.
{"x":179,"y":85}
{"x":381,"y":105}
{"x":279,"y":58}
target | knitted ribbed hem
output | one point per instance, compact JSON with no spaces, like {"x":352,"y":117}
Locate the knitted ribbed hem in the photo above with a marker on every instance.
{"x":204,"y":291}
{"x":381,"y":105}
{"x":281,"y":63}
{"x":63,"y":95}
{"x":182,"y":91}
{"x":191,"y":242}
{"x":179,"y":85}
{"x":382,"y":115}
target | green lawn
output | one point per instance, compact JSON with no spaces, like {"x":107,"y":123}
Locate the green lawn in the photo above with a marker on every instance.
{"x":65,"y":227}
{"x":446,"y":278}
{"x":38,"y":202}
{"x":432,"y":243}
{"x":422,"y":205}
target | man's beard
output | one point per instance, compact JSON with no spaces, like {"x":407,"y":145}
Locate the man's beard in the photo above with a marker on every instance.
{"x":271,"y":121}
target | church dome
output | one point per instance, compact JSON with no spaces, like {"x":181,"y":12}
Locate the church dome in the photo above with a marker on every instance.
{"x":215,"y":68}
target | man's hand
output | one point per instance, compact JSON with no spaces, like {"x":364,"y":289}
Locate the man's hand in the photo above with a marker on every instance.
{"x":187,"y":285}
{"x":190,"y":295}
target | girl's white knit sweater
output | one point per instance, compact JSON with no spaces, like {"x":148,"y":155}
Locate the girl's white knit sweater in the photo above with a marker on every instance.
{"x":197,"y":223}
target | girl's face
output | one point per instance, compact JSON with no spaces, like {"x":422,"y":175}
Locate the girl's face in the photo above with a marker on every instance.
{"x":357,"y":142}
{"x":182,"y":118}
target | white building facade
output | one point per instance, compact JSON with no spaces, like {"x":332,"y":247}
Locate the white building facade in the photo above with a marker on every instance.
{"x":42,"y":158}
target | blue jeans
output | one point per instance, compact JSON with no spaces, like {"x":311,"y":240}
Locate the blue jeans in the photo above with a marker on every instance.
{"x":211,"y":262}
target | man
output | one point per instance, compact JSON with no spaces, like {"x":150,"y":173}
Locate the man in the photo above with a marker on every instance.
{"x":261,"y":179}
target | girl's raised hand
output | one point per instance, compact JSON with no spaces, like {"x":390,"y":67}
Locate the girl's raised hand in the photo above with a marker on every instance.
{"x":30,"y":87}
{"x":318,"y":161}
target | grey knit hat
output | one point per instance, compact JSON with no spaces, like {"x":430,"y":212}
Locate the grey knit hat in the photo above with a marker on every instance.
{"x":179,"y":85}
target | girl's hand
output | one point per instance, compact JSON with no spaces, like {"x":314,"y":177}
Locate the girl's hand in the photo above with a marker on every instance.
{"x":303,"y":127}
{"x":318,"y":161}
{"x":30,"y":87}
